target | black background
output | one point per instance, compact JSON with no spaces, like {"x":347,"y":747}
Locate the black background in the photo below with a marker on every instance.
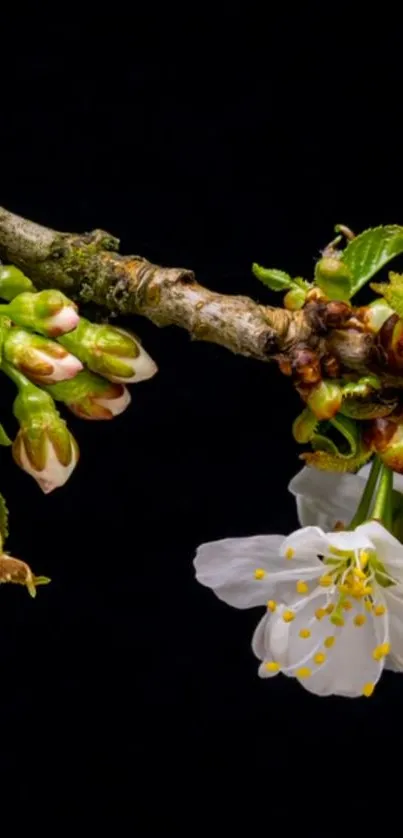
{"x":208,"y":144}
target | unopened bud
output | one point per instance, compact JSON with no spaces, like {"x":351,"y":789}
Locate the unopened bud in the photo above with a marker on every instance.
{"x":333,"y":277}
{"x":375,"y":314}
{"x":325,"y":400}
{"x":48,"y":312}
{"x":39,"y":358}
{"x":295,"y":299}
{"x":89,"y":396}
{"x":109,"y":351}
{"x":43,"y":447}
{"x":13,"y":282}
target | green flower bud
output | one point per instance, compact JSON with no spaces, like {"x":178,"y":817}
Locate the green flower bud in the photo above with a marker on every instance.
{"x":48,"y":312}
{"x":43,"y":447}
{"x":109,"y":351}
{"x":89,"y":396}
{"x":334,"y":278}
{"x":295,"y":299}
{"x":325,"y":400}
{"x":39,"y":358}
{"x":13,"y":282}
{"x":376,"y":314}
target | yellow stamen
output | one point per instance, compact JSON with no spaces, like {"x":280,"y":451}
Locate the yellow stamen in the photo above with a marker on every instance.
{"x":271,"y":604}
{"x":329,"y":641}
{"x":368,"y":605}
{"x":364,"y":558}
{"x":381,"y":651}
{"x":359,"y":573}
{"x":367,"y":590}
{"x":379,"y":610}
{"x":303,"y":672}
{"x":359,"y":620}
{"x":344,"y":589}
{"x":260,"y":573}
{"x":288,"y":616}
{"x":320,"y":613}
{"x":347,"y":605}
{"x":289,"y":553}
{"x":320,"y":657}
{"x":326,"y":580}
{"x":329,"y":608}
{"x":272,"y":666}
{"x":305,"y":633}
{"x":302,"y":587}
{"x":368,"y":689}
{"x":337,"y":620}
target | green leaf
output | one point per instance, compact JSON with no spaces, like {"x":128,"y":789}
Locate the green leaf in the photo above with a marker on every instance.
{"x":370,"y":251}
{"x":304,"y":426}
{"x":3,"y":518}
{"x":4,"y":437}
{"x":274,"y":279}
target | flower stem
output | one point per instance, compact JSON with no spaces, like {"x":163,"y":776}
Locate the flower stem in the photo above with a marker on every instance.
{"x":19,"y":379}
{"x":362,"y":512}
{"x":382,"y":510}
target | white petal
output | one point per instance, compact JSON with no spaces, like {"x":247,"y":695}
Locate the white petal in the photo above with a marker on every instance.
{"x":326,"y":498}
{"x":258,"y":645}
{"x":350,"y":540}
{"x":54,"y":474}
{"x":228,"y":567}
{"x":394,"y":605}
{"x":307,"y":543}
{"x":388,"y":549}
{"x":64,"y":321}
{"x":350,"y":664}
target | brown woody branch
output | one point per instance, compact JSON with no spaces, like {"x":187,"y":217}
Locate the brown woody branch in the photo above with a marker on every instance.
{"x":88,"y":268}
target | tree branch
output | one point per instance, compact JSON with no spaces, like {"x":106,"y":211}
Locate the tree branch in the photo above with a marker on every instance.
{"x":89,"y":269}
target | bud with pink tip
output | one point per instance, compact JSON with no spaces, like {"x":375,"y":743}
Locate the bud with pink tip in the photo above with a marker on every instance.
{"x":43,"y":360}
{"x":109,"y":351}
{"x":48,"y":312}
{"x":91,"y":397}
{"x":44,"y":446}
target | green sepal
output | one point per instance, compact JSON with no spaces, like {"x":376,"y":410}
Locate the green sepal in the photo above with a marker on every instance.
{"x":13,"y":282}
{"x":304,"y":426}
{"x":346,"y":456}
{"x":278,"y":280}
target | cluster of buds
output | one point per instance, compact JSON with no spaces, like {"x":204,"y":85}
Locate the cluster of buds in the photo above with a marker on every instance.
{"x":54,"y":355}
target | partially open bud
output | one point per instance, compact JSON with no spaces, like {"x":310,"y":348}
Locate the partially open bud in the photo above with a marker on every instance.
{"x":40,"y":358}
{"x":43,"y":447}
{"x":13,"y":282}
{"x":91,"y":397}
{"x":48,"y":312}
{"x":17,"y":572}
{"x":325,"y":400}
{"x":375,"y":314}
{"x":386,"y":438}
{"x":110,"y":351}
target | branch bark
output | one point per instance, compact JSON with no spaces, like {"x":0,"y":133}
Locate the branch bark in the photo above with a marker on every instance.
{"x":88,"y":268}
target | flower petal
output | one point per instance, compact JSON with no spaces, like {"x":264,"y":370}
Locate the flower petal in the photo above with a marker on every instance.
{"x":324,"y":498}
{"x":306,"y":544}
{"x":394,"y":605}
{"x":228,"y":567}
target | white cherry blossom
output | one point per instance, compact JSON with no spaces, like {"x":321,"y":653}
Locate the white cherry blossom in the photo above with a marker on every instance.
{"x":334,"y":602}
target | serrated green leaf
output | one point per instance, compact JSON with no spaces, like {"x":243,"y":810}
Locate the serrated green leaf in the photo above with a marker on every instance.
{"x":273,"y":278}
{"x":370,"y":251}
{"x":4,"y":437}
{"x":3,"y":519}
